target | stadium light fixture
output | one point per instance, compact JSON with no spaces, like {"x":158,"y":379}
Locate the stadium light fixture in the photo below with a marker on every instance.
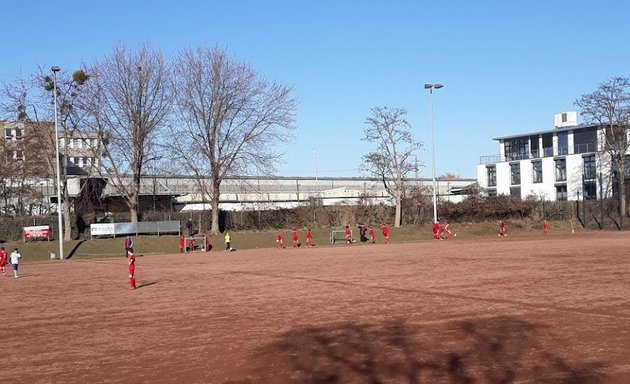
{"x":430,"y":87}
{"x":54,"y":70}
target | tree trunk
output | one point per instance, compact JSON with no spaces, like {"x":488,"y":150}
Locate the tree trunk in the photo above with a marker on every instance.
{"x":133,"y":207}
{"x":215,"y":205}
{"x":398,"y":217}
{"x":67,"y":224}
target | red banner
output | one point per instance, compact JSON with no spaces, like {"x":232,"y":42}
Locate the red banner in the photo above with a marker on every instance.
{"x":41,"y":232}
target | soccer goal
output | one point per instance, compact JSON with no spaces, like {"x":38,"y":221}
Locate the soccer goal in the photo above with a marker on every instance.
{"x":196,"y":244}
{"x":338,"y":235}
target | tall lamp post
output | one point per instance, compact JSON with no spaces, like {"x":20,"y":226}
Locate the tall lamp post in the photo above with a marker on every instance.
{"x":317,"y":187}
{"x":431,"y":87}
{"x":54,"y":70}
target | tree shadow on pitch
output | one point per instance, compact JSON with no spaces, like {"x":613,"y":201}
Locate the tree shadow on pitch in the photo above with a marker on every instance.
{"x":496,"y":351}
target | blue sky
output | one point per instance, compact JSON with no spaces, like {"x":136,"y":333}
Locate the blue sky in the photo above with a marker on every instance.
{"x":507,"y":66}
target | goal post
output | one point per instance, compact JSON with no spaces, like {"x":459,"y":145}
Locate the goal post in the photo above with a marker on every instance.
{"x":196,"y":244}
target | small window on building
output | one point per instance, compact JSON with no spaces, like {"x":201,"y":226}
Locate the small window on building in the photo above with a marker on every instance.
{"x":515,"y":192}
{"x":590,"y":190}
{"x":564,"y":118}
{"x":8,"y":134}
{"x":590,"y":172}
{"x":561,"y":192}
{"x":18,"y":155}
{"x":537,"y":174}
{"x":561,"y":170}
{"x":491,"y":192}
{"x":19,"y":134}
{"x":515,"y":174}
{"x":492,"y":176}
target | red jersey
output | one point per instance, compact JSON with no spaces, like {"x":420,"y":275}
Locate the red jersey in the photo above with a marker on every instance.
{"x":385,"y":230}
{"x":309,"y":236}
{"x":3,"y":258}
{"x":348,"y":232}
{"x":132,"y":264}
{"x":372,"y":233}
{"x":295,"y":236}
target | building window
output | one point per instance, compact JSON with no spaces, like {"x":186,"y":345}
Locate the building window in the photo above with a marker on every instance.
{"x":515,"y":174}
{"x":491,"y":192}
{"x":589,"y":168}
{"x":8,"y":134}
{"x":590,"y":190}
{"x":19,"y":134}
{"x":76,"y":143}
{"x":18,"y":155}
{"x":537,"y":174}
{"x":515,"y":192}
{"x":492,"y":176}
{"x":563,"y":143}
{"x":561,"y":192}
{"x":561,"y":170}
{"x":516,"y":149}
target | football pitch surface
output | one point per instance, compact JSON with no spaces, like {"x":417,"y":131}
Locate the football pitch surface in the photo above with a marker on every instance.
{"x":523,"y":309}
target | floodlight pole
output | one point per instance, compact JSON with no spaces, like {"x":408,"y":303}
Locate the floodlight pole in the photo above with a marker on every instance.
{"x":430,"y":87}
{"x":54,"y":70}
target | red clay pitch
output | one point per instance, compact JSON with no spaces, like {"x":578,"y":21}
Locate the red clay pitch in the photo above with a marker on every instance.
{"x":534,"y":309}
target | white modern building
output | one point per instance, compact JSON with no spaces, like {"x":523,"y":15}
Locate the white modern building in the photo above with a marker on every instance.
{"x":563,"y":163}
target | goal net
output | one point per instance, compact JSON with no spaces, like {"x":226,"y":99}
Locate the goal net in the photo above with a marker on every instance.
{"x":197,"y":244}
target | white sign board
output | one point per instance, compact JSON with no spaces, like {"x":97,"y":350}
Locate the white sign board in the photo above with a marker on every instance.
{"x":105,"y":229}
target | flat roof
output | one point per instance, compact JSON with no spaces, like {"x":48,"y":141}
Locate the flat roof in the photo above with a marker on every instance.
{"x":563,"y":129}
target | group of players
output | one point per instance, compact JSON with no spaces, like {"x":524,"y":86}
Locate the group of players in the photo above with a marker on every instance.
{"x":295,"y":236}
{"x":440,"y":231}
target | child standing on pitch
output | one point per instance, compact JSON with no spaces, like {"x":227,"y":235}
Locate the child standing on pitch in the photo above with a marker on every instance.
{"x":309,"y":238}
{"x":501,"y":228}
{"x":15,"y":261}
{"x":131,"y":261}
{"x":280,"y":240}
{"x":348,"y":234}
{"x":128,"y":245}
{"x":181,"y":244}
{"x":545,"y":227}
{"x":386,"y":233}
{"x":227,"y":239}
{"x":3,"y":261}
{"x":295,"y":238}
{"x":372,"y":235}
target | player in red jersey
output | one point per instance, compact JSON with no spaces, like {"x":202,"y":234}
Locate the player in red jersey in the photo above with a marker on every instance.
{"x":545,"y":227}
{"x":132,"y":269}
{"x":280,"y":240}
{"x":386,"y":233}
{"x":502,"y":228}
{"x":372,"y":235}
{"x":3,"y":261}
{"x":436,"y":230}
{"x":296,"y":238}
{"x":309,"y":238}
{"x":181,"y":244}
{"x":348,"y":235}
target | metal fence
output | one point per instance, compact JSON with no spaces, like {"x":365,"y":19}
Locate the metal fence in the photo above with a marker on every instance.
{"x":140,"y":228}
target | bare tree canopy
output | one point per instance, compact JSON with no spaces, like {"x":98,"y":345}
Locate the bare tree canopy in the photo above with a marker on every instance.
{"x":229,"y":118}
{"x":131,"y":104}
{"x":609,"y":107}
{"x":395,"y":146}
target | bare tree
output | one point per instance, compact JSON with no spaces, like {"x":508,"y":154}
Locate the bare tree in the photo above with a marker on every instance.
{"x":609,"y":107}
{"x":229,"y":119}
{"x":130,"y":107}
{"x":395,"y":146}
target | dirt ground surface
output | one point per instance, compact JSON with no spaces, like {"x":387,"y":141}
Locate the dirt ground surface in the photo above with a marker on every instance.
{"x":532,"y":309}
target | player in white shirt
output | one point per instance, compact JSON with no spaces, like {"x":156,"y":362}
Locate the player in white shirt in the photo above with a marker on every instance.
{"x":15,"y":261}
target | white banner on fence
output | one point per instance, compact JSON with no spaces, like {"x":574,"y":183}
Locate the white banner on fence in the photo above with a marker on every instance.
{"x":104,"y":229}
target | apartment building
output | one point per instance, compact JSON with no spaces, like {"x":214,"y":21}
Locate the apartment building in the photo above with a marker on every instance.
{"x":563,"y":163}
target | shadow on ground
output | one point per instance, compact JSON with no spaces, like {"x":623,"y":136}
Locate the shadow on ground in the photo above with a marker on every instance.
{"x":496,"y":350}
